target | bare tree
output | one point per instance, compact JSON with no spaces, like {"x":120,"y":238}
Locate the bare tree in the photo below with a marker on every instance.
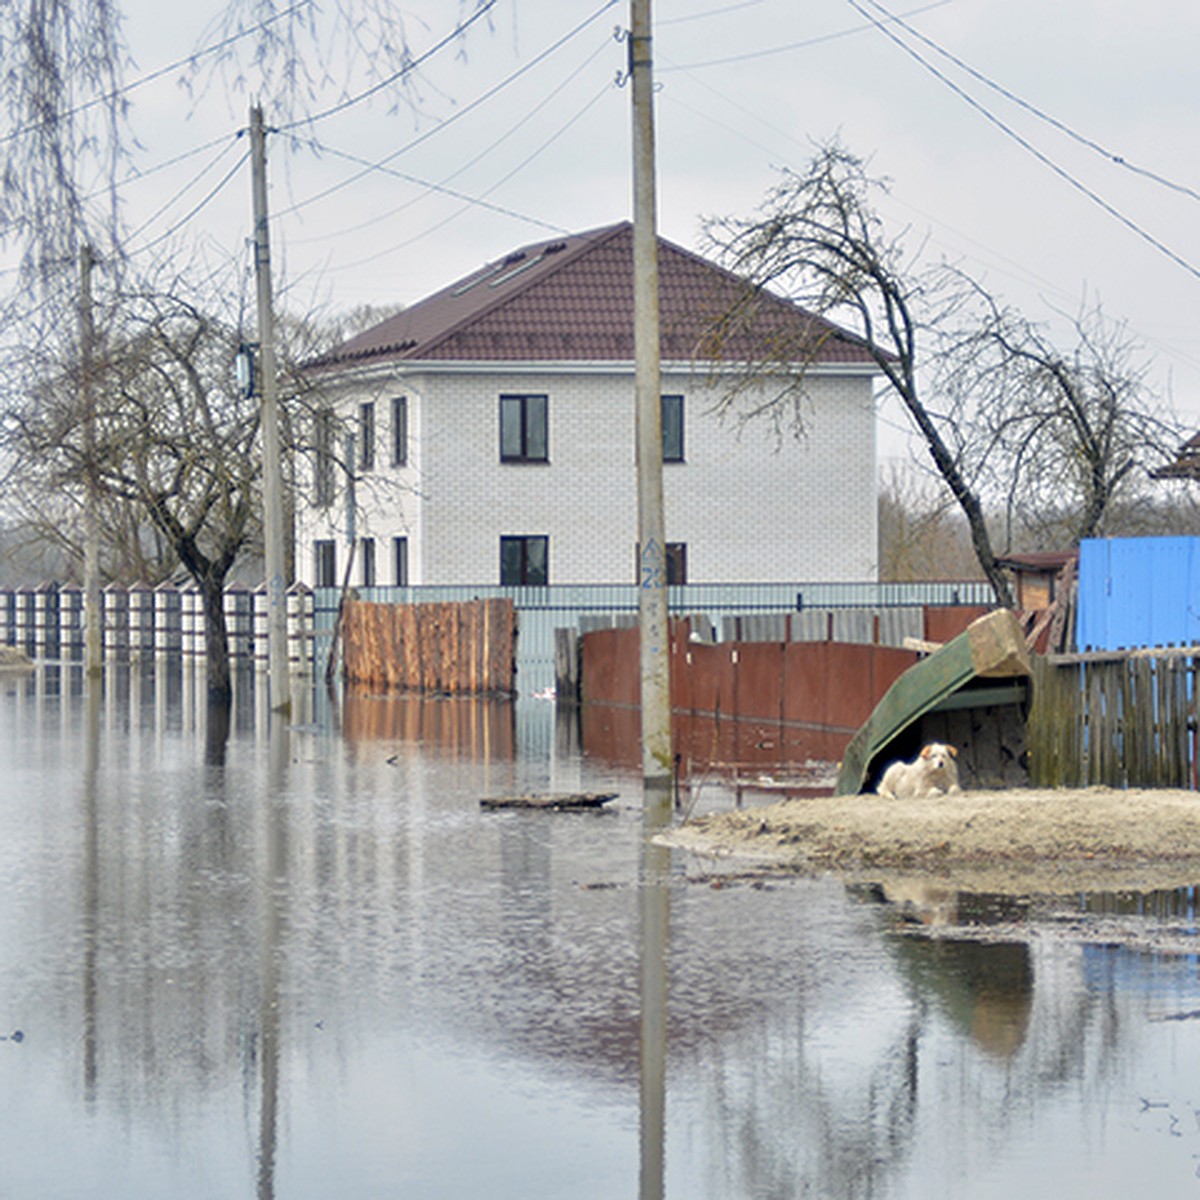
{"x":1007,"y":418}
{"x":818,"y":238}
{"x":175,"y":444}
{"x":1067,"y":436}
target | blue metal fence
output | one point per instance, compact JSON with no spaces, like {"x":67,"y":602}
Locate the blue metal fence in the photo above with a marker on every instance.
{"x":1138,"y":592}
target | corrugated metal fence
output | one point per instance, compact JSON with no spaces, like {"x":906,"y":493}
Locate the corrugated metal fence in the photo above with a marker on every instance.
{"x":47,"y":621}
{"x":542,"y":610}
{"x":1137,"y":592}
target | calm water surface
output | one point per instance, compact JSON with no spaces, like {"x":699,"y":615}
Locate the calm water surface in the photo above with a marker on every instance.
{"x":304,"y":963}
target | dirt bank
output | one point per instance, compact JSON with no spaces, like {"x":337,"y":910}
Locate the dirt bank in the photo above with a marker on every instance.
{"x":1019,"y":842}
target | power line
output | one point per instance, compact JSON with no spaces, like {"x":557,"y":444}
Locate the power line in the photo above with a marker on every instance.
{"x":435,"y":187}
{"x":711,"y":12}
{"x":195,"y":209}
{"x":1028,"y":146}
{"x":460,"y":113}
{"x":407,"y":69}
{"x":819,"y":40}
{"x":178,"y":65}
{"x":1117,"y":159}
{"x":489,"y":149}
{"x":226,"y":146}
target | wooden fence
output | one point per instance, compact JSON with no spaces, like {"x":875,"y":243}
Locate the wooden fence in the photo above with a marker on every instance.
{"x":466,"y":648}
{"x":1118,"y":718}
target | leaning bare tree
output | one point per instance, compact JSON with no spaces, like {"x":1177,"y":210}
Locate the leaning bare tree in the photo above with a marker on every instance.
{"x":818,"y":238}
{"x":1006,"y":416}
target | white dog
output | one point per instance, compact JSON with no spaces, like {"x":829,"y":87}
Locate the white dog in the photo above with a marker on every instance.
{"x":932,"y":773}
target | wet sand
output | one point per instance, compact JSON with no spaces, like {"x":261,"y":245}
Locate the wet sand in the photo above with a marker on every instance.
{"x":1026,"y":842}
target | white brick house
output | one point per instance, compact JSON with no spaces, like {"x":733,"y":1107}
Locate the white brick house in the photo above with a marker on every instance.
{"x":495,"y":437}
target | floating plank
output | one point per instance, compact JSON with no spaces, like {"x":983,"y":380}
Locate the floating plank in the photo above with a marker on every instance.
{"x":557,"y":801}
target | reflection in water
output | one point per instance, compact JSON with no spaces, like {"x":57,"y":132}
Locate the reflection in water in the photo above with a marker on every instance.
{"x":985,"y":989}
{"x":317,"y":968}
{"x":273,"y":892}
{"x":90,"y":883}
{"x":657,"y":802}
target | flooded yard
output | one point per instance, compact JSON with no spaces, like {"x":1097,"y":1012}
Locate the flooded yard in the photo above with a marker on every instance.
{"x":304,"y":962}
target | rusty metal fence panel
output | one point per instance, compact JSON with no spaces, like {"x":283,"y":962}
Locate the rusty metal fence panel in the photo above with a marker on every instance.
{"x":542,"y":610}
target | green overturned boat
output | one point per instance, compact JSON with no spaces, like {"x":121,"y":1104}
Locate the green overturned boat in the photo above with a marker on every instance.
{"x":973,"y":693}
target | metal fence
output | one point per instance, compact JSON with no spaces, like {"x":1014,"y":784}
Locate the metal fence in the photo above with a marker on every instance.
{"x":542,"y":610}
{"x":47,"y":622}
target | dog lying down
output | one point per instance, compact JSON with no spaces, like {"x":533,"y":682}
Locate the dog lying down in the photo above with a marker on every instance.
{"x":932,"y":773}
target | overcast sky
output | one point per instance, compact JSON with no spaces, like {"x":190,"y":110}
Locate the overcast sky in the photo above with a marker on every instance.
{"x":744,"y":88}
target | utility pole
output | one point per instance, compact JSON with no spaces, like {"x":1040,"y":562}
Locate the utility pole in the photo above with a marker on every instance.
{"x":93,"y":634}
{"x":657,"y":762}
{"x":277,"y":650}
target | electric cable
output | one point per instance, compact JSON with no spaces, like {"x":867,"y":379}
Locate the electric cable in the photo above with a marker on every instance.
{"x":819,"y":40}
{"x":179,"y":64}
{"x":1028,"y":146}
{"x":460,"y":113}
{"x":1117,"y":159}
{"x":406,"y":69}
{"x":489,"y":149}
{"x":481,"y":201}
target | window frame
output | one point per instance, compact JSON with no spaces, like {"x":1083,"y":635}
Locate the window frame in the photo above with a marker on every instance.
{"x":366,"y":435}
{"x":672,"y":402}
{"x":676,"y":559}
{"x":367,"y":561}
{"x":524,"y":427}
{"x":324,"y":460}
{"x":525,"y":542}
{"x":399,"y":431}
{"x":400,"y":560}
{"x":325,"y":562}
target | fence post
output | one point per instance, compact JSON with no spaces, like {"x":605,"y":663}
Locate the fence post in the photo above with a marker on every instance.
{"x":299,"y":612}
{"x":167,"y":619}
{"x":41,"y":621}
{"x":262,"y":625}
{"x":141,"y":622}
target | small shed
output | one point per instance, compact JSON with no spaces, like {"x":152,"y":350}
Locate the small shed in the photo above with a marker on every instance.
{"x":1036,"y":576}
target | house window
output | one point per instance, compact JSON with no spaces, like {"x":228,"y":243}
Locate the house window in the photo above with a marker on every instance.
{"x":676,"y":560}
{"x":367,"y":547}
{"x":523,"y":429}
{"x":672,"y":429}
{"x":400,"y":557}
{"x":366,"y":436}
{"x":676,"y":563}
{"x":323,"y":458}
{"x":325,"y":563}
{"x":399,"y":431}
{"x":525,"y":560}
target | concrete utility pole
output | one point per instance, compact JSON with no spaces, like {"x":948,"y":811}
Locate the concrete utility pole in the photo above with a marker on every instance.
{"x":657,"y":763}
{"x":277,"y":649}
{"x":93,"y":634}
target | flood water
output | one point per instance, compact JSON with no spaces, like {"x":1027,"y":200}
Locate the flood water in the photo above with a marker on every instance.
{"x":305,"y":963}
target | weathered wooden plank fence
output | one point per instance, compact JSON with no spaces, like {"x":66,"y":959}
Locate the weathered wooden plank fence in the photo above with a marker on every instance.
{"x":462,"y":648}
{"x":1118,"y":718}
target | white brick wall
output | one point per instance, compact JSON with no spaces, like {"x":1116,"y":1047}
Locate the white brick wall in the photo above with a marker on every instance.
{"x":750,"y":506}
